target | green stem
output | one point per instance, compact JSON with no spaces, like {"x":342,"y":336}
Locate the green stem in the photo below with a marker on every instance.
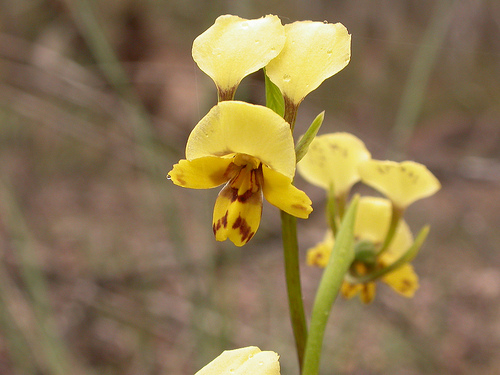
{"x":340,"y":260}
{"x":292,"y":274}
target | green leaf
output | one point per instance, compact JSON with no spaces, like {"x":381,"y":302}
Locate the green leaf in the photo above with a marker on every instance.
{"x":274,"y":98}
{"x":304,"y":141}
{"x":333,"y":276}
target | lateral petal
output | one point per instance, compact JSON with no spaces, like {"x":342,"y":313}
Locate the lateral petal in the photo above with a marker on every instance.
{"x":202,"y":173}
{"x":279,"y":191}
{"x":403,"y":280}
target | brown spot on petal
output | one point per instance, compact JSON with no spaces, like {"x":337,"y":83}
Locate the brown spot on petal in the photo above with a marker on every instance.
{"x":234,"y":194}
{"x":405,"y":285}
{"x":300,"y":207}
{"x":224,"y":220}
{"x":180,"y":179}
{"x":237,"y":222}
{"x":244,"y":229}
{"x":244,"y":197}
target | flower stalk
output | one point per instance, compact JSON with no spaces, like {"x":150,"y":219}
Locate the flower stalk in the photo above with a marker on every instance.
{"x":396,"y":216}
{"x":291,"y":110}
{"x":294,"y":288}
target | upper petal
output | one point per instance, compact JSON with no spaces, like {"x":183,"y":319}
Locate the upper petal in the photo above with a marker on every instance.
{"x":238,"y":127}
{"x":372,"y":219}
{"x":279,"y":191}
{"x":372,"y":223}
{"x":401,"y":242}
{"x":403,"y":183}
{"x":249,"y":360}
{"x":313,"y":52}
{"x":332,"y":160}
{"x":234,"y":47}
{"x":202,"y":173}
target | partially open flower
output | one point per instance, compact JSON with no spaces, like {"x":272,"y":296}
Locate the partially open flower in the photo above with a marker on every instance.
{"x":332,"y":162}
{"x":244,"y":361}
{"x":234,"y":47}
{"x":372,"y":222}
{"x":403,"y":183}
{"x":251,"y":149}
{"x":313,"y":52}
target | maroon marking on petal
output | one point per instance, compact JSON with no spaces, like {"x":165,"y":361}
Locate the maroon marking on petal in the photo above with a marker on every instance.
{"x":406,"y":285}
{"x":180,"y":180}
{"x":234,"y":194}
{"x":237,"y":223}
{"x":224,"y":220}
{"x":250,"y":236}
{"x":244,"y":197}
{"x":244,"y":228}
{"x":299,"y":207}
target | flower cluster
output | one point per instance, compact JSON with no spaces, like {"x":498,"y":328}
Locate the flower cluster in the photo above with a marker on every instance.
{"x":250,"y":148}
{"x":384,"y":244}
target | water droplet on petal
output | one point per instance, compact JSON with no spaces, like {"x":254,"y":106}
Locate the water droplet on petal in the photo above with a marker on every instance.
{"x":168,"y":177}
{"x":286,"y":78}
{"x":261,"y":363}
{"x":329,"y":51}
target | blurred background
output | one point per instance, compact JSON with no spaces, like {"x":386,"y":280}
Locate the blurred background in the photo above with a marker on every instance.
{"x":108,"y":268}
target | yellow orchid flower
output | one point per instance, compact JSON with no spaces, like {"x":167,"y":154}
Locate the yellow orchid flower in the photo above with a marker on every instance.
{"x":403,"y":183}
{"x":332,"y":162}
{"x":313,"y":52}
{"x":234,"y":47}
{"x":372,"y":222}
{"x":251,"y":149}
{"x":243,"y":361}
